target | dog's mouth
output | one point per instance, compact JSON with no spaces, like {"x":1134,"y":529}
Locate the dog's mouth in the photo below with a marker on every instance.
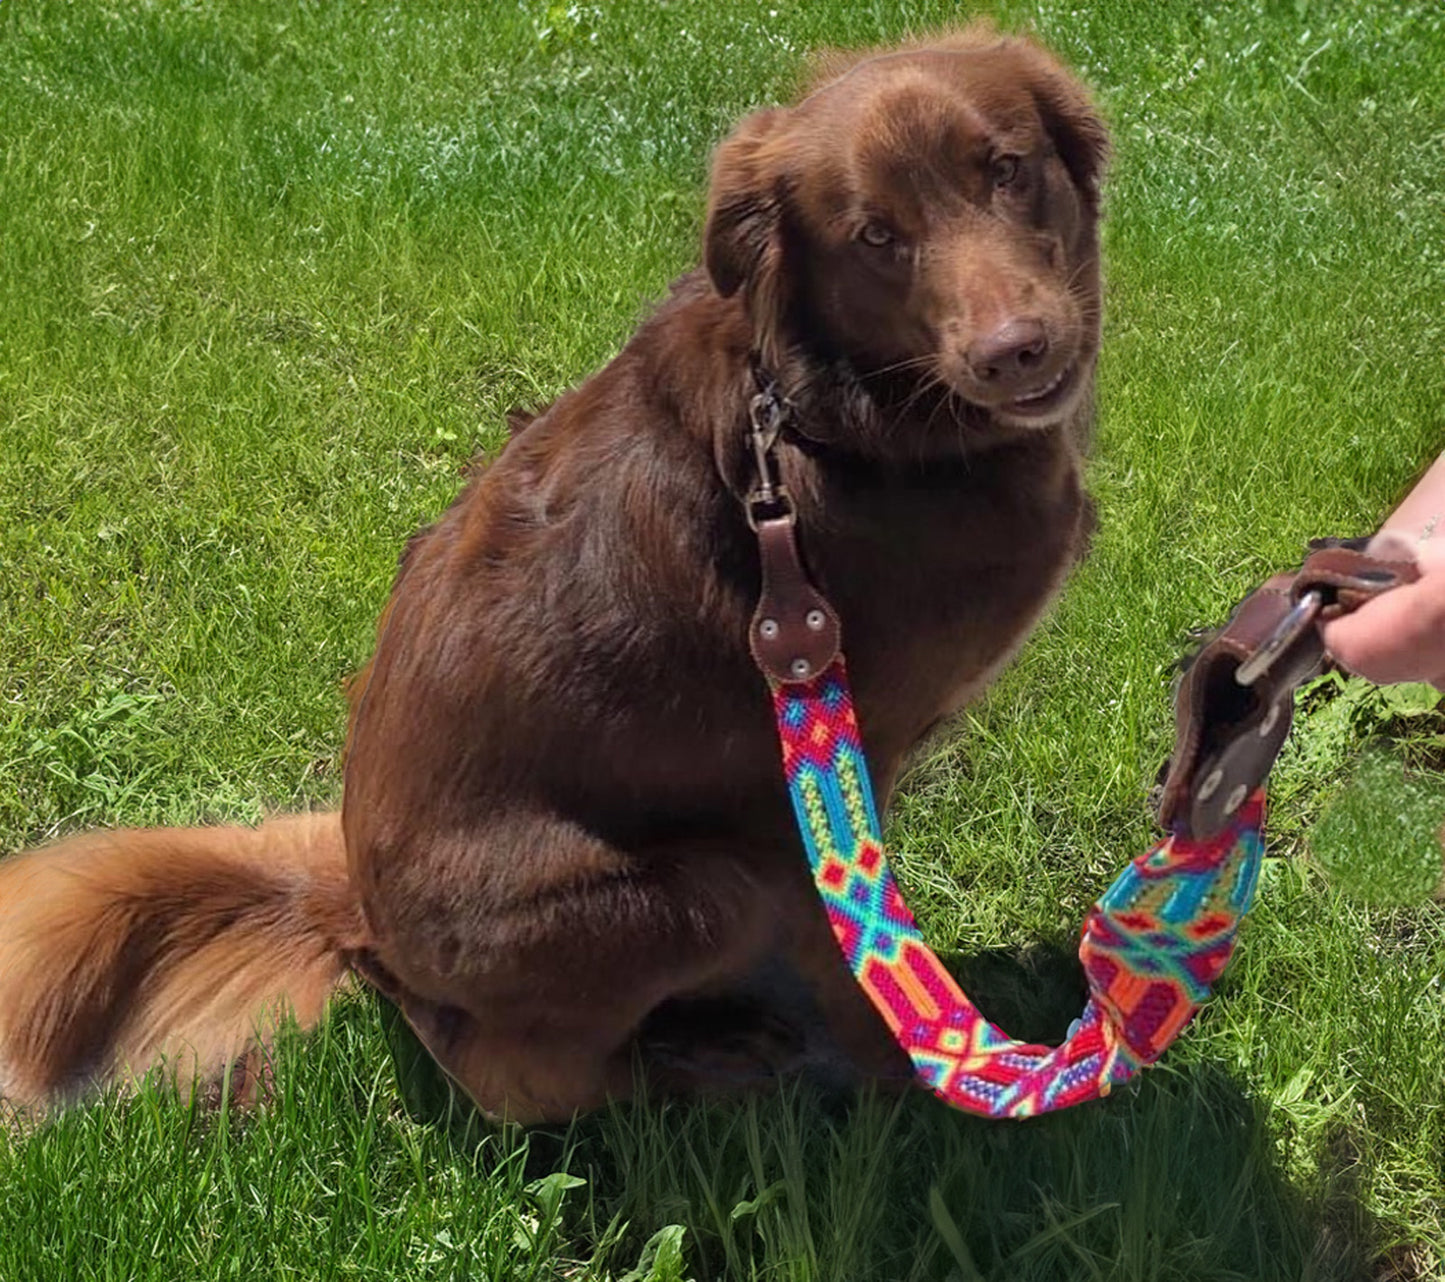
{"x":1046,"y":400}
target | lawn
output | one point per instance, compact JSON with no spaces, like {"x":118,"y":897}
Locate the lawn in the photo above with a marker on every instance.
{"x":270,"y":276}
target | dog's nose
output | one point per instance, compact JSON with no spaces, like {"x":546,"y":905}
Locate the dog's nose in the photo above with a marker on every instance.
{"x":1016,"y":347}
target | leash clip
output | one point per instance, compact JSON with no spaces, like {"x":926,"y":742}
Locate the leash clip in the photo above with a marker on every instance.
{"x":1289,"y":630}
{"x":767,"y":412}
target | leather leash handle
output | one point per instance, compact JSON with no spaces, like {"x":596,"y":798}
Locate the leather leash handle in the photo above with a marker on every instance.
{"x":1235,"y":703}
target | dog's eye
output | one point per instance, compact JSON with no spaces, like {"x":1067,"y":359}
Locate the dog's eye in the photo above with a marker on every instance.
{"x":1005,"y":170}
{"x":875,"y":234}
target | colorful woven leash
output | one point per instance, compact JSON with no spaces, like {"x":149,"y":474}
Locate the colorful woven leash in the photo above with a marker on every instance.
{"x":1152,"y":947}
{"x":1156,"y":942}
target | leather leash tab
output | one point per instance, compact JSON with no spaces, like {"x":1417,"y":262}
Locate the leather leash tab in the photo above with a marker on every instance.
{"x":795,"y":632}
{"x":1234,"y":704}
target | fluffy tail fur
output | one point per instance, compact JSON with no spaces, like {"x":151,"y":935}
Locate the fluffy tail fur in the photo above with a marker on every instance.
{"x":120,"y":950}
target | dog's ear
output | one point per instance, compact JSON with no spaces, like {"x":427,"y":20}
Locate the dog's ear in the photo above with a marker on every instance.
{"x":741,"y":242}
{"x":1073,"y":123}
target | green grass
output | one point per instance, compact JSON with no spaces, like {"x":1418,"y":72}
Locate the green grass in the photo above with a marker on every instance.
{"x":1379,"y":838}
{"x":271,"y":273}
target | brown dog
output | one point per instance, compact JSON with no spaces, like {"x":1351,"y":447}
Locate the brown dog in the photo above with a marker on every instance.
{"x":565,"y":841}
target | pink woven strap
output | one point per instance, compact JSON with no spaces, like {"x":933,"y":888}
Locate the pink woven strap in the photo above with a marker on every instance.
{"x":1152,"y":946}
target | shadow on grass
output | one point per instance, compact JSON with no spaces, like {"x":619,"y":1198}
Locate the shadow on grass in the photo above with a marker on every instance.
{"x":1175,"y":1177}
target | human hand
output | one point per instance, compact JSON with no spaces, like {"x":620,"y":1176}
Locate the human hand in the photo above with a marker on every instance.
{"x":1400,"y":635}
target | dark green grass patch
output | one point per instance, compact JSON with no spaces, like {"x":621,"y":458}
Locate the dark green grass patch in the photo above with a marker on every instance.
{"x":270,"y":276}
{"x":1380,"y":838}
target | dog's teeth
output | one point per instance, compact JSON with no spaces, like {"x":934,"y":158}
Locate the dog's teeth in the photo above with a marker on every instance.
{"x":1044,"y":390}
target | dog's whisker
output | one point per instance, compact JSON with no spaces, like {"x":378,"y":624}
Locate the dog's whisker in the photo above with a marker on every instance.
{"x":911,"y":362}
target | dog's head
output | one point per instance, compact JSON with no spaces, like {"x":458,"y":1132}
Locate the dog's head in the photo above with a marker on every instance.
{"x":928,"y":218}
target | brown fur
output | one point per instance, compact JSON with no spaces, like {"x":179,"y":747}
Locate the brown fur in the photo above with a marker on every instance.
{"x":121,"y":949}
{"x":566,"y":837}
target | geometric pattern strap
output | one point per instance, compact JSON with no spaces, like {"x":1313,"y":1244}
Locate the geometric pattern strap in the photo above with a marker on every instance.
{"x":1152,"y":947}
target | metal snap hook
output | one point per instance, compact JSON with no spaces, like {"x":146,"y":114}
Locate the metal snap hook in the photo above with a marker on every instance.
{"x":1289,"y":630}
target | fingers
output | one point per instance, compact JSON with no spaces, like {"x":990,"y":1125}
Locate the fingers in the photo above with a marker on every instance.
{"x":1399,"y":636}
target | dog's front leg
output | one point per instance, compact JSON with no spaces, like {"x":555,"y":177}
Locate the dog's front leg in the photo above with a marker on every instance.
{"x":529,"y":987}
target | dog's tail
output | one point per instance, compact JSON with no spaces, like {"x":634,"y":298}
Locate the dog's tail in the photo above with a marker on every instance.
{"x":122,"y":950}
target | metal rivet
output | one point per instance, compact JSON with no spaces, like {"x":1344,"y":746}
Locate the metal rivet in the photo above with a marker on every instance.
{"x":815,"y":619}
{"x":1236,"y":799}
{"x":768,"y":629}
{"x":1271,"y":718}
{"x":800,"y":668}
{"x":1210,"y":786}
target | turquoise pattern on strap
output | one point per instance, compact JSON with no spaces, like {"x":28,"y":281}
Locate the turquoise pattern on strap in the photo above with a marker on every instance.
{"x":1152,"y":947}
